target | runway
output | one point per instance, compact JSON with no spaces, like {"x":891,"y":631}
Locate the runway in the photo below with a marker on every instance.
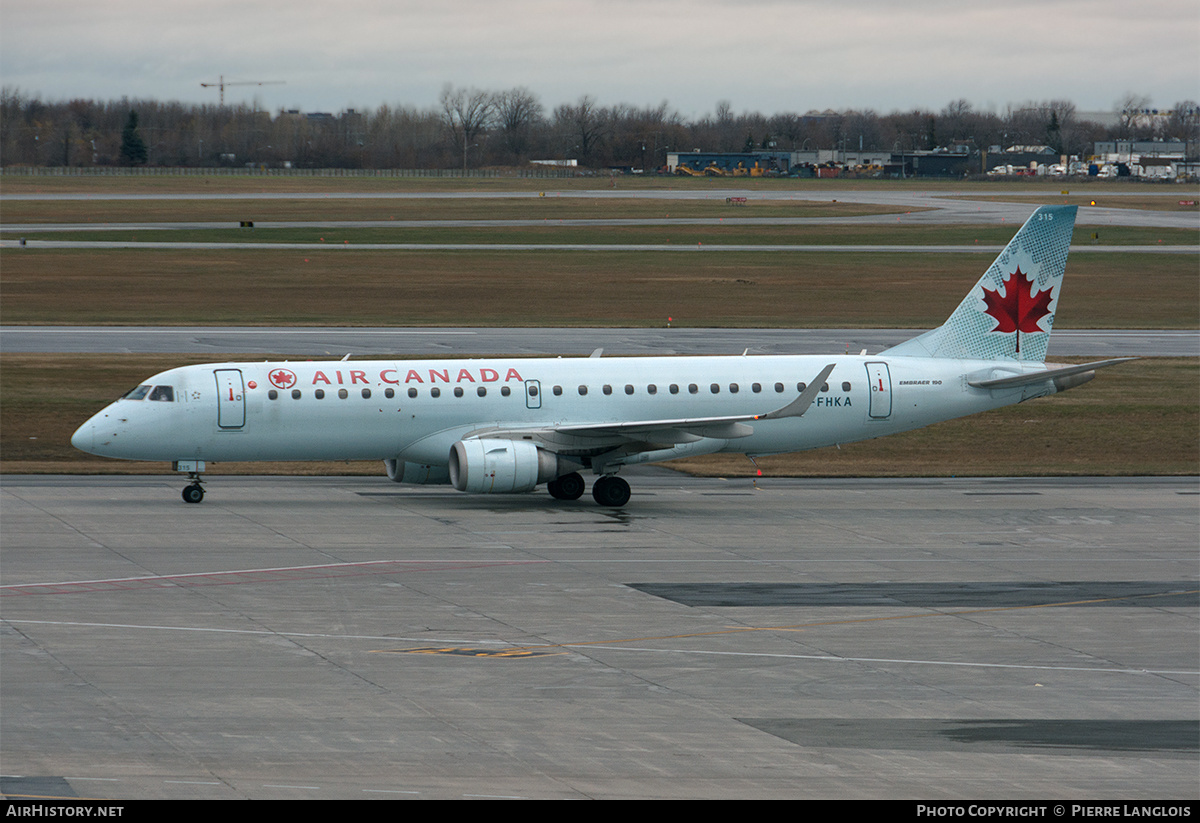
{"x":914,"y":207}
{"x":534,"y":342}
{"x":351,"y":638}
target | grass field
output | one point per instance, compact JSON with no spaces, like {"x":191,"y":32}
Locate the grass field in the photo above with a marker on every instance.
{"x":555,"y":232}
{"x":611,"y":288}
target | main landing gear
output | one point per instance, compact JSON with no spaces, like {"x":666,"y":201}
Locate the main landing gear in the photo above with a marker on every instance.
{"x":608,"y":490}
{"x":568,"y":487}
{"x":611,"y":491}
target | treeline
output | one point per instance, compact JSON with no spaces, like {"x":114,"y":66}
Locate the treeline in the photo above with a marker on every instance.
{"x":477,"y":128}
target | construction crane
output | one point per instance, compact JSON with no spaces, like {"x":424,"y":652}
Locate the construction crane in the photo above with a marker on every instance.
{"x":221,"y":84}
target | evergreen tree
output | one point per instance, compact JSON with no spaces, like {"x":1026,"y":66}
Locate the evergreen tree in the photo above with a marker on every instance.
{"x":1054,"y":133}
{"x":133,"y":147}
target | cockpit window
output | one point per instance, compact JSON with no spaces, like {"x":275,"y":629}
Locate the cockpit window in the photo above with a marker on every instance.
{"x":137,"y":394}
{"x":166,"y":393}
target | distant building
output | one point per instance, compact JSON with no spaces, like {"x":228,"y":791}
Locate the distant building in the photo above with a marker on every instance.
{"x":1124,"y":149}
{"x":749,"y":164}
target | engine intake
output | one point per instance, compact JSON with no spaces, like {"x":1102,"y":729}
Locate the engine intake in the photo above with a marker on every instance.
{"x":502,"y":466}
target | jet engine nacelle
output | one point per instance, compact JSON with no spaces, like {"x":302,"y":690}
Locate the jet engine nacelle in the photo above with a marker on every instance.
{"x":502,"y":466}
{"x":401,"y":471}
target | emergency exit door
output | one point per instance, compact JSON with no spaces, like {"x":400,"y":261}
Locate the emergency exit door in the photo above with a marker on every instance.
{"x":533,"y":394}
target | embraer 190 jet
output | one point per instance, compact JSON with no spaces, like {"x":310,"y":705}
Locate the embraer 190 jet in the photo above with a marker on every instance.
{"x":507,"y":425}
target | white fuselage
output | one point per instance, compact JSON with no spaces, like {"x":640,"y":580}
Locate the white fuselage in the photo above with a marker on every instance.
{"x":416,"y":410}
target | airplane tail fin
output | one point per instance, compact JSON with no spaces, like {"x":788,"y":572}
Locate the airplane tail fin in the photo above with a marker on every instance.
{"x":1009,"y":313}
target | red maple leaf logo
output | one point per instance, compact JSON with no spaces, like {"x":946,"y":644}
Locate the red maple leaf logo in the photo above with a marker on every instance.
{"x":1019,"y":309}
{"x":282,"y":378}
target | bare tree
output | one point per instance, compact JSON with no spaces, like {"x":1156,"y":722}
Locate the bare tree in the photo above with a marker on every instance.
{"x":1183,"y":123}
{"x":1130,"y":108}
{"x":518,"y":110}
{"x":467,"y":114}
{"x":955,"y":120}
{"x":584,"y":125}
{"x":727,"y":127}
{"x":640,"y":137}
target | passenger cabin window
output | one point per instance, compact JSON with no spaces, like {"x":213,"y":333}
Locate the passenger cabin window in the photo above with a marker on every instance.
{"x":756,"y":387}
{"x":505,"y":391}
{"x":343,"y":394}
{"x":481,"y":391}
{"x":164,"y":393}
{"x":779,"y":388}
{"x":458,"y":392}
{"x":607,"y":389}
{"x":366,"y":394}
{"x":674,"y":388}
{"x":733,"y":388}
{"x":412,"y":392}
{"x":295,"y":394}
{"x":435,"y":392}
{"x":557,"y":391}
{"x":319,"y":394}
{"x":801,"y":387}
{"x":274,"y":395}
{"x":390,"y":393}
{"x":846,"y":386}
{"x":652,"y":389}
{"x":628,"y":389}
{"x":582,"y":390}
{"x":693,"y":388}
{"x":715,"y":388}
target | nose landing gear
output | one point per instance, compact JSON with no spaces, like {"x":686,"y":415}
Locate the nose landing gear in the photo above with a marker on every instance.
{"x":195,"y":492}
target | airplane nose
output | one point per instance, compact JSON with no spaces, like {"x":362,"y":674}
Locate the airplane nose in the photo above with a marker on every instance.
{"x":84,"y":437}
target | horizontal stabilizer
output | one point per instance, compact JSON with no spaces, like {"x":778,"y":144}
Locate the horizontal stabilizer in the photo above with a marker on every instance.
{"x":1052,"y":372}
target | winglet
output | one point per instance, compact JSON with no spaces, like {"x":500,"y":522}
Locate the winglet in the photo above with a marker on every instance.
{"x":800,"y":405}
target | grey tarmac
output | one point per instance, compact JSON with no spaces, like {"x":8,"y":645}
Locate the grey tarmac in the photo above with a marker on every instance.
{"x":536,"y":342}
{"x":351,"y":638}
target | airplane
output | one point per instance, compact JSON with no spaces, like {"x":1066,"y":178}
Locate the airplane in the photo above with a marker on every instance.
{"x":508,"y":425}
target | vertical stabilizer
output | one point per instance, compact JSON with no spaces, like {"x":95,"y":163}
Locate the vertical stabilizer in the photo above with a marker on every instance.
{"x":1009,"y":313}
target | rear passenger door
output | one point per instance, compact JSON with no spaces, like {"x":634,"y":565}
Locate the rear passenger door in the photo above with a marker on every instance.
{"x":881,"y":391}
{"x":231,"y":399}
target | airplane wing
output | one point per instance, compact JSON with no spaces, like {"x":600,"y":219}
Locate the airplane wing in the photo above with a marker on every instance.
{"x":585,"y":437}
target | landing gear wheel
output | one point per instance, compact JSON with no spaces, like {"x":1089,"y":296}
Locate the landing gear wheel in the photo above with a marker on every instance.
{"x":193,"y":493}
{"x":611,"y":490}
{"x":568,"y":487}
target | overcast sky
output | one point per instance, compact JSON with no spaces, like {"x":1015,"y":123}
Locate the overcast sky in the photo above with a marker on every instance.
{"x":761,"y":55}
